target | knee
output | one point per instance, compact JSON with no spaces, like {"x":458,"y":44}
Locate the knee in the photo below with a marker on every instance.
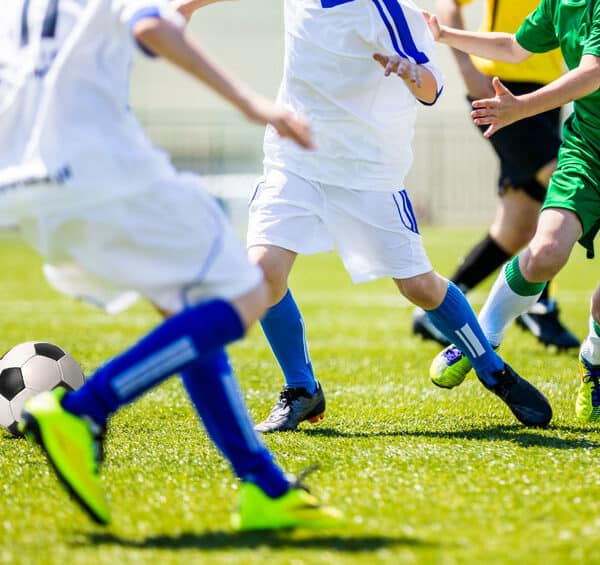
{"x":275,"y":284}
{"x":426,"y":291}
{"x":252,"y":305}
{"x":542,"y":261}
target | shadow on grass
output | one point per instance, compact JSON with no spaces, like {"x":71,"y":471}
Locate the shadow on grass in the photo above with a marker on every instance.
{"x":247,"y":540}
{"x":527,"y":437}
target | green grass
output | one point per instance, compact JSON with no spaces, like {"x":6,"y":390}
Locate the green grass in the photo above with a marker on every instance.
{"x":425,"y":475}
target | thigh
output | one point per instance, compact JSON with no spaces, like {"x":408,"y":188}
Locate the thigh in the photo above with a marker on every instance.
{"x":574,"y":186}
{"x":376,"y":234}
{"x":286,"y":211}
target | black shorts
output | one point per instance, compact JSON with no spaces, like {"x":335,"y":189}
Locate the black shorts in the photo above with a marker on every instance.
{"x":526,"y":146}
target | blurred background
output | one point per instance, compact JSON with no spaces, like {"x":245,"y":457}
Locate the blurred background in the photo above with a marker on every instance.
{"x":453,"y":177}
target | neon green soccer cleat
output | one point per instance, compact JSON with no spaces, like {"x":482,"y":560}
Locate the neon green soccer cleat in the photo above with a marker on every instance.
{"x":71,"y":447}
{"x":587,"y":404}
{"x":449,"y":367}
{"x":297,"y":508}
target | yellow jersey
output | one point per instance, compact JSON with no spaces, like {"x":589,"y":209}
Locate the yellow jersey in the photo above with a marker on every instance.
{"x":507,"y":15}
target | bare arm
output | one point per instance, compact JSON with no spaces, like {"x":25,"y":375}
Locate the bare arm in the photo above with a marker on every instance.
{"x":168,"y":41}
{"x":418,"y":79}
{"x":494,"y":45}
{"x":478,"y":85}
{"x":505,"y":108}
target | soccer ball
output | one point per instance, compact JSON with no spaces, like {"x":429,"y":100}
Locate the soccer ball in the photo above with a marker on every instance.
{"x":28,"y":369}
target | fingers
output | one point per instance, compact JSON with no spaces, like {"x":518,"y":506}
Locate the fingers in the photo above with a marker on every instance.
{"x":381,"y":59}
{"x":294,"y":129}
{"x":490,"y":131}
{"x":499,"y":88}
{"x":485,"y":103}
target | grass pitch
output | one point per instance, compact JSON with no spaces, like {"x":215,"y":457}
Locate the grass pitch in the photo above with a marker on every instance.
{"x":424,"y":475}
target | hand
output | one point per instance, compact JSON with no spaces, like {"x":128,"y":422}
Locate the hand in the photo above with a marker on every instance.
{"x":502,"y":110}
{"x":400,"y":66}
{"x":260,"y":110}
{"x":478,"y":85}
{"x":434,"y":25}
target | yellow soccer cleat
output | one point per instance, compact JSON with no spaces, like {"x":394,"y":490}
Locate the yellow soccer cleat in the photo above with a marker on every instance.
{"x":297,"y":508}
{"x":71,"y":447}
{"x":587,"y":403}
{"x":449,"y":367}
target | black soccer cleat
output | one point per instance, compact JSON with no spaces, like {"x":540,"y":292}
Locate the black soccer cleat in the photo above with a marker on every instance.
{"x":422,"y":325}
{"x":543,"y":322}
{"x":525,"y":401}
{"x":295,"y":405}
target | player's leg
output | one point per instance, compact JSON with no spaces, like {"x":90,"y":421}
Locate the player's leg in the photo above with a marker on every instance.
{"x":587,"y":404}
{"x":452,"y":315}
{"x":269,"y":499}
{"x":511,"y":229}
{"x":377,"y":236}
{"x":518,"y":286}
{"x":283,"y":223}
{"x":190,"y":341}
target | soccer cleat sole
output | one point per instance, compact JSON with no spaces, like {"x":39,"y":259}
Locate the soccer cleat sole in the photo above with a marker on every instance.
{"x":31,"y":430}
{"x":443,"y":386}
{"x":316,"y":419}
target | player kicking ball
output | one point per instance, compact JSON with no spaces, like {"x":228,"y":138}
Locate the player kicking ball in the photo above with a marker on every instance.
{"x":349,"y":193}
{"x":571,"y":211}
{"x":110,"y":215}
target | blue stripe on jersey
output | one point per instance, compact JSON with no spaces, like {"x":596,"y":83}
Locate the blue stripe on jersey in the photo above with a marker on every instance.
{"x":406,"y":38}
{"x":333,"y":3}
{"x":142,"y":14}
{"x":389,"y":28}
{"x":402,"y":31}
{"x":49,"y":25}
{"x":25,"y":24}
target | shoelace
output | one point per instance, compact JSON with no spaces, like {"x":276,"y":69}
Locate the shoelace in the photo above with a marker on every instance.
{"x":288,"y":395}
{"x":592,"y":375}
{"x":297,"y":481}
{"x":452,"y":354}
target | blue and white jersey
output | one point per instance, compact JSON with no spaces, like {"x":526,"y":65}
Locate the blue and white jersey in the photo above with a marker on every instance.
{"x":64,"y":85}
{"x":363,"y":122}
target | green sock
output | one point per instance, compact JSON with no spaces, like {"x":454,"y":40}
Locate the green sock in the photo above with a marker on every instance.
{"x":517,"y":283}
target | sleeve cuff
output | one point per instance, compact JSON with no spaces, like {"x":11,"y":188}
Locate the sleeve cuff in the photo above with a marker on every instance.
{"x":142,"y":14}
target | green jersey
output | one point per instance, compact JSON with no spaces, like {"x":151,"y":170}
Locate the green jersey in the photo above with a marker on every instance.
{"x":574,"y":26}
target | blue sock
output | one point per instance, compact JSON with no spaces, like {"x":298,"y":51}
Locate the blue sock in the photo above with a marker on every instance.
{"x":284,"y":327}
{"x":213,"y":389}
{"x":455,"y":318}
{"x":190,"y":335}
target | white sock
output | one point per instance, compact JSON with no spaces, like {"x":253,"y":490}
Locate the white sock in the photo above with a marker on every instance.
{"x":502,"y":306}
{"x":590,"y":348}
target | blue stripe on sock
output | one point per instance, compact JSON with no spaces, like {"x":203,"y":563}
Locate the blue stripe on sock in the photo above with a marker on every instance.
{"x":214,"y":392}
{"x":455,"y":318}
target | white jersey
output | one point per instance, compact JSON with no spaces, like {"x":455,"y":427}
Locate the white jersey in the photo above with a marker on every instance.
{"x":64,"y":114}
{"x":363,"y":122}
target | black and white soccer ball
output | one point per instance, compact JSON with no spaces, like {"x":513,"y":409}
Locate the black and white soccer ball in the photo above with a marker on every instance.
{"x":28,"y":369}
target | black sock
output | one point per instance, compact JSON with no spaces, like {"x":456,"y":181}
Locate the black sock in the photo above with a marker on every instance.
{"x":481,"y":262}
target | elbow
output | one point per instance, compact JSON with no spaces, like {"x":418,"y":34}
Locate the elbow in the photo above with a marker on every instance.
{"x":146,"y":30}
{"x":431,"y":99}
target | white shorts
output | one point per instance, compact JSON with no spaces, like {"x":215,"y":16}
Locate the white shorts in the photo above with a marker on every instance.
{"x":171,"y":244}
{"x":375,"y":233}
